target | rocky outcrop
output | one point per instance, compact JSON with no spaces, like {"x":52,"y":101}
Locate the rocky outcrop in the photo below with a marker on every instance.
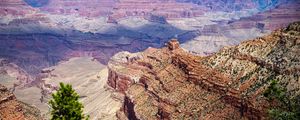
{"x":22,"y":78}
{"x":12,"y":109}
{"x":21,"y":84}
{"x":118,"y":9}
{"x":170,"y":83}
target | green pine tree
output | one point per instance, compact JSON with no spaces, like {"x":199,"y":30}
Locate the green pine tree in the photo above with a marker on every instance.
{"x":65,"y":104}
{"x":289,"y":107}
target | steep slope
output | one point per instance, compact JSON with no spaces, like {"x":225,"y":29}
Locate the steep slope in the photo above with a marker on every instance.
{"x":88,"y":77}
{"x":16,"y":80}
{"x":170,"y":83}
{"x":39,"y":37}
{"x":12,"y":109}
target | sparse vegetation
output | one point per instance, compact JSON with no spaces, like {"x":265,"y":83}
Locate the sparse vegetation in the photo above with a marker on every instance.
{"x":65,"y":104}
{"x":288,"y":108}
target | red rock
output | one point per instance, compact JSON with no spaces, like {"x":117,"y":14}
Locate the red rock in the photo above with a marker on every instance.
{"x":12,"y":109}
{"x":15,"y":7}
{"x":179,"y":85}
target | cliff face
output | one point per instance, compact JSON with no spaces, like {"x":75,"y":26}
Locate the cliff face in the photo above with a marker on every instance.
{"x":12,"y":109}
{"x":170,"y":83}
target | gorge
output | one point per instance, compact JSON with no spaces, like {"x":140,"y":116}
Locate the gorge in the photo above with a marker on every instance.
{"x":82,"y":43}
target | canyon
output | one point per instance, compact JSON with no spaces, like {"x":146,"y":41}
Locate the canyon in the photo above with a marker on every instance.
{"x":79,"y":42}
{"x":51,"y":36}
{"x":88,"y":77}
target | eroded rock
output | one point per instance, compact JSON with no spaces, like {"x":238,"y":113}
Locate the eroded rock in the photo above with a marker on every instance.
{"x":174,"y":84}
{"x":12,"y":109}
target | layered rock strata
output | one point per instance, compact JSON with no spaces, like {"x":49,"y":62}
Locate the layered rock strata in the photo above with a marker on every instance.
{"x":15,"y":7}
{"x":170,"y":83}
{"x":12,"y":109}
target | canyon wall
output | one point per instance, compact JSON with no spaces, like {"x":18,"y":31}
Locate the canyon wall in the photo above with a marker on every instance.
{"x":12,"y":109}
{"x":171,"y":83}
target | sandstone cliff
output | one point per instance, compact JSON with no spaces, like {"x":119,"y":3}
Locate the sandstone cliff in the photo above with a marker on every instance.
{"x":12,"y":109}
{"x":170,"y":83}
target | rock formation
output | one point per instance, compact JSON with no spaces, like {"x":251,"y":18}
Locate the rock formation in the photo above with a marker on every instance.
{"x":38,"y":34}
{"x":22,"y":77}
{"x":88,"y":77}
{"x":12,"y":109}
{"x":171,"y":83}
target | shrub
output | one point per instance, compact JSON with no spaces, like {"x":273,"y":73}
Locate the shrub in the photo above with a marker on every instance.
{"x":288,"y":108}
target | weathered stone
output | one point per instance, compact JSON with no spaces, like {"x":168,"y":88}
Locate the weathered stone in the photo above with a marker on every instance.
{"x":12,"y":109}
{"x":174,"y":84}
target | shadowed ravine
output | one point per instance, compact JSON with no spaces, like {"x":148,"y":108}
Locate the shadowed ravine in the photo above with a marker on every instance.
{"x":34,"y":51}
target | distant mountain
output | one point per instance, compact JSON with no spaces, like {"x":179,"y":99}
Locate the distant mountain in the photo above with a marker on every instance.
{"x":236,"y":5}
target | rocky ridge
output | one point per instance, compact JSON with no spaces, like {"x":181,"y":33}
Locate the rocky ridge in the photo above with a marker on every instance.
{"x":12,"y":109}
{"x":171,"y":83}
